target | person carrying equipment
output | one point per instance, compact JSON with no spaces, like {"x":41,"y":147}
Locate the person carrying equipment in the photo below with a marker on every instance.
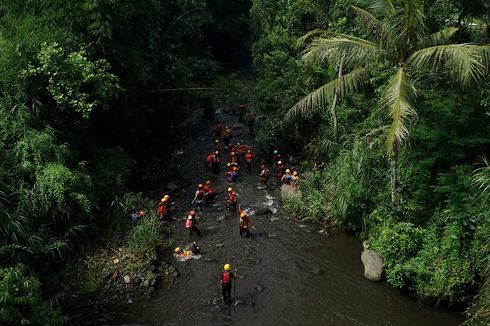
{"x":217,"y":130}
{"x":295,"y":180}
{"x":248,"y":159}
{"x":287,"y":177}
{"x":191,"y":225}
{"x":227,"y":136}
{"x":233,"y":159}
{"x":231,"y":200}
{"x":264,"y":175}
{"x":210,"y":193}
{"x":215,"y":161}
{"x":245,"y":223}
{"x":225,"y":282}
{"x":198,"y":200}
{"x":137,"y":216}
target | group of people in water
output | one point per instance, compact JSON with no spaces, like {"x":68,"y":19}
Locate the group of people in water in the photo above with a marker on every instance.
{"x":237,"y":155}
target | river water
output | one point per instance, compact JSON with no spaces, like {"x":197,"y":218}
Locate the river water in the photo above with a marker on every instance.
{"x":289,"y":273}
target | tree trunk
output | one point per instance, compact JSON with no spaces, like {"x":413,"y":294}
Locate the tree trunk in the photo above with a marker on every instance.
{"x":333,"y":109}
{"x":394,"y":175}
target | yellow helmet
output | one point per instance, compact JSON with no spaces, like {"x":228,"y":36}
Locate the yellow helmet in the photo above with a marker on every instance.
{"x":230,"y":189}
{"x":164,"y":199}
{"x":166,"y":196}
{"x":227,"y":267}
{"x":217,"y":152}
{"x":177,"y":250}
{"x":288,"y":171}
{"x":189,"y":217}
{"x":243,"y":214}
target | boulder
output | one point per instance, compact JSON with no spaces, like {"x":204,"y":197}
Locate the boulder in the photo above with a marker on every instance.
{"x":373,"y":264}
{"x":288,"y":192}
{"x":127,"y":279}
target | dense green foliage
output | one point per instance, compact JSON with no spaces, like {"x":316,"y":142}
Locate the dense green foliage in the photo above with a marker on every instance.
{"x":435,"y":241}
{"x":80,"y":92}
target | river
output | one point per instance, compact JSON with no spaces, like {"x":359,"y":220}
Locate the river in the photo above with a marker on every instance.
{"x":289,"y":273}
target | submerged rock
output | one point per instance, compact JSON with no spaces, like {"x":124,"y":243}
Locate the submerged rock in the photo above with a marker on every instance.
{"x":373,"y":264}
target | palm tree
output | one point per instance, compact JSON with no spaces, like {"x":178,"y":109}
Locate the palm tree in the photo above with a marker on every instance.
{"x":397,"y":41}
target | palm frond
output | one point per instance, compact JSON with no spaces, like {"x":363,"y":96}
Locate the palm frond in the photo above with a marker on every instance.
{"x":407,"y":26}
{"x":440,"y":38}
{"x":303,"y":40}
{"x":373,"y":25}
{"x":318,"y":99}
{"x":481,"y":179}
{"x":464,"y":63}
{"x":380,"y":8}
{"x":397,"y":99}
{"x":355,"y":51}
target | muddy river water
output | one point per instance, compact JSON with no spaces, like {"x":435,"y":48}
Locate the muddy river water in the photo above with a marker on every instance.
{"x":289,"y":273}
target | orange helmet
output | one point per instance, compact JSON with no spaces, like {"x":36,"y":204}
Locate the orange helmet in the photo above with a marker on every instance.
{"x":243,"y":214}
{"x":208,"y":182}
{"x":192,"y":213}
{"x":142,"y":213}
{"x":235,"y":168}
{"x":295,"y":173}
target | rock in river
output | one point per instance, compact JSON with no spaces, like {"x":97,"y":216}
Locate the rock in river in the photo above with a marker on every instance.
{"x":127,"y":279}
{"x":373,"y":264}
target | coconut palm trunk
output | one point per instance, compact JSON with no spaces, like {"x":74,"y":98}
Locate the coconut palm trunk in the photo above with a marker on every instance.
{"x":394,"y":175}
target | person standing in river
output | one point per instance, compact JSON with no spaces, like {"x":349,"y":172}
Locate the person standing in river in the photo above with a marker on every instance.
{"x":241,"y":112}
{"x":198,"y":200}
{"x":225,"y":282}
{"x":190,"y":224}
{"x":251,"y":123}
{"x":217,"y":130}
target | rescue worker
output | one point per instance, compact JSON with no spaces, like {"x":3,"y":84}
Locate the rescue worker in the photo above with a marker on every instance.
{"x":248,"y":159}
{"x":233,"y":159}
{"x":209,"y":160}
{"x":217,"y":145}
{"x":210,"y":193}
{"x":227,"y":136}
{"x":190,"y":224}
{"x":291,"y":164}
{"x":295,"y":180}
{"x":245,"y":223}
{"x":215,"y":163}
{"x":264,"y":175}
{"x":232,"y":175}
{"x":163,"y":209}
{"x":251,"y":123}
{"x":179,"y":253}
{"x":287,"y":177}
{"x":225,"y":281}
{"x":277,"y":157}
{"x":280,"y":170}
{"x":231,"y":200}
{"x":198,"y":200}
{"x":217,"y":130}
{"x":241,"y":112}
{"x":272,"y":145}
{"x":137,"y":216}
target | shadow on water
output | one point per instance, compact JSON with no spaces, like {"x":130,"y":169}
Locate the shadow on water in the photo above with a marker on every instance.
{"x":289,"y":273}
